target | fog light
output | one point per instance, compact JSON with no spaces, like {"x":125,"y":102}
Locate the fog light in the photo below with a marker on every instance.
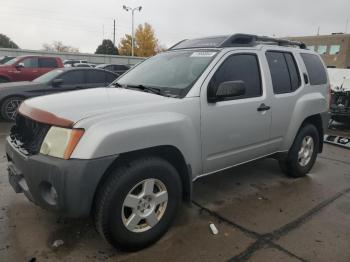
{"x":49,"y":193}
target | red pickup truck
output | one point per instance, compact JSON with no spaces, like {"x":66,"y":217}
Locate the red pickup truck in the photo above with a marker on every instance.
{"x":27,"y":68}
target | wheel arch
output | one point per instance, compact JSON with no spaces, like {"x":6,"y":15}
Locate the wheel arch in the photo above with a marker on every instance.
{"x":315,"y":120}
{"x":3,"y":99}
{"x":170,"y":153}
{"x":5,"y":77}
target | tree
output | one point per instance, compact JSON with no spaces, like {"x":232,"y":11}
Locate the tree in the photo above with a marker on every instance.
{"x":107,"y":48}
{"x":6,"y":42}
{"x":58,"y":46}
{"x":125,"y":45}
{"x":146,"y":43}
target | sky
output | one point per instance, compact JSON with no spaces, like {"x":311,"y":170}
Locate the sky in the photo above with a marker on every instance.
{"x":84,"y":23}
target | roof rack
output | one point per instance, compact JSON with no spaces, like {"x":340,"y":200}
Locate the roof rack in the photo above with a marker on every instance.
{"x":236,"y":40}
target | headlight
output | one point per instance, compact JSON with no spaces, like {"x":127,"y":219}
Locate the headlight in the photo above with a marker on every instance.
{"x":60,"y":142}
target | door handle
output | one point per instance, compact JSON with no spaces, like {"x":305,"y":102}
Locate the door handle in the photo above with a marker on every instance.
{"x":263,"y":107}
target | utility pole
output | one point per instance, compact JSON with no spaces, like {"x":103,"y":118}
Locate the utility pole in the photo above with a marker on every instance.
{"x":318,"y":30}
{"x":126,"y":8}
{"x":114,"y":32}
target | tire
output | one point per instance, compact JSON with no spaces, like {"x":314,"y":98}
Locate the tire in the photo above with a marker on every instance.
{"x":111,"y":211}
{"x":3,"y":80}
{"x":299,"y":162}
{"x":9,"y":107}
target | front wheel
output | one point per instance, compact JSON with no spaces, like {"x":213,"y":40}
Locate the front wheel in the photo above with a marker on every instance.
{"x":302,"y":155}
{"x":3,"y":80}
{"x":9,"y":107}
{"x":137,"y":203}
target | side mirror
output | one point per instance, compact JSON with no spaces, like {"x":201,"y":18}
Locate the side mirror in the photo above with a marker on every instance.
{"x":57,"y":82}
{"x":226,"y":90}
{"x":19,"y":66}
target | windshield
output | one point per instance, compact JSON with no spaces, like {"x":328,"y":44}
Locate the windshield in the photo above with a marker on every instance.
{"x":171,"y":72}
{"x":48,"y":76}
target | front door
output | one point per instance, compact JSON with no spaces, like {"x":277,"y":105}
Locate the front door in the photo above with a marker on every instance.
{"x":238,"y":129}
{"x":28,"y":71}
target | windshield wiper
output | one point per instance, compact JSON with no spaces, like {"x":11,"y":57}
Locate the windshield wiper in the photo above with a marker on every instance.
{"x":153,"y":90}
{"x":117,"y":84}
{"x":147,"y":88}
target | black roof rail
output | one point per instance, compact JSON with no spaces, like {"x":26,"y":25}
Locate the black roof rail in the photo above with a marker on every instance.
{"x":236,"y":40}
{"x":253,"y":40}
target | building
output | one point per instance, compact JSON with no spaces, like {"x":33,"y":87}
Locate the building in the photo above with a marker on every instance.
{"x":334,"y":49}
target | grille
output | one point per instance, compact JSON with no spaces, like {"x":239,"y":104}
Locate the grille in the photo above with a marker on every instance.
{"x":28,"y":135}
{"x":341,"y":102}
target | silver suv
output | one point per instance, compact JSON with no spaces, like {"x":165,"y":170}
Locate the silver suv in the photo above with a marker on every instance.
{"x":128,"y":154}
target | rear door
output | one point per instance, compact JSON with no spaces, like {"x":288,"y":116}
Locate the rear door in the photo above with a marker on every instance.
{"x":47,"y":64}
{"x":235,"y":130}
{"x":98,"y":78}
{"x":71,"y":80}
{"x":286,"y":83}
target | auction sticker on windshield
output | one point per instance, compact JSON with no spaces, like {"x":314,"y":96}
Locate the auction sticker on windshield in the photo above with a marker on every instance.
{"x":203,"y":54}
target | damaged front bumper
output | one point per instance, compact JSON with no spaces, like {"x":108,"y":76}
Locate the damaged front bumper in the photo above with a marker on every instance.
{"x":64,"y":186}
{"x":340,"y":107}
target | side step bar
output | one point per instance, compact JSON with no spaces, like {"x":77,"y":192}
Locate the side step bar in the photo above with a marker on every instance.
{"x":337,"y":140}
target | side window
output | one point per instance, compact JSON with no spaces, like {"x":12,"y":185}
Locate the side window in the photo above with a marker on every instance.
{"x":315,"y":69}
{"x":73,"y":78}
{"x":284,"y":72}
{"x":120,"y":67}
{"x":95,"y":76}
{"x":110,"y":78}
{"x":293,"y":71}
{"x":47,"y":63}
{"x":31,"y":62}
{"x":244,"y":67}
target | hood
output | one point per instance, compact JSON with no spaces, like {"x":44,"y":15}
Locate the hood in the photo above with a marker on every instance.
{"x":70,"y":107}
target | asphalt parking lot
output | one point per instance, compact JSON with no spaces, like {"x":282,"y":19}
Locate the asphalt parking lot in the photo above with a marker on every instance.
{"x":261,"y":215}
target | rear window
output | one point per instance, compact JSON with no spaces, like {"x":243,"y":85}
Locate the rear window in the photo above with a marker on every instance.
{"x":315,"y":69}
{"x":48,"y":63}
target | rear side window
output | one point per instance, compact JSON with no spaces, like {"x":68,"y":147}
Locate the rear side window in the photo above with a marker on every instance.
{"x":284,"y":72}
{"x":47,"y":63}
{"x":244,"y":67}
{"x":95,"y":76}
{"x":315,"y":69}
{"x":73,"y":77}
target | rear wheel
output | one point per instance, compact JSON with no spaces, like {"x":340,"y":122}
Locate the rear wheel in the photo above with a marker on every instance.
{"x":302,"y":155}
{"x":137,"y":203}
{"x":9,"y":107}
